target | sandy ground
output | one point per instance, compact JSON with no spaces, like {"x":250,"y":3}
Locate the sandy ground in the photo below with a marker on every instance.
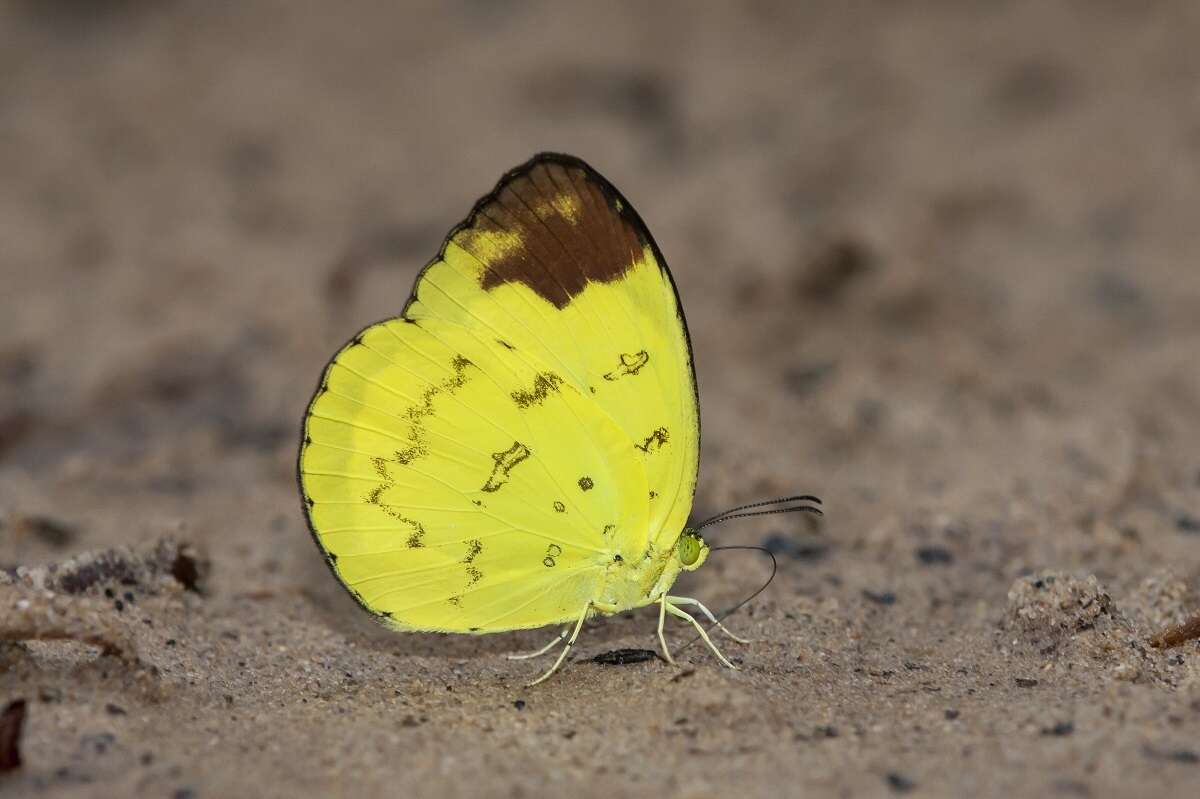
{"x":940,"y":262}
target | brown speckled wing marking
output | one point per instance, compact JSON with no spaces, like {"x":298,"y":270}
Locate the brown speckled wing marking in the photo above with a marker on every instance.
{"x":505,"y":461}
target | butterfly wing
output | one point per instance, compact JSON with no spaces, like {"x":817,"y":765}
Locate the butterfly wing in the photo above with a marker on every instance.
{"x":529,"y":425}
{"x":456,"y":486}
{"x":557,"y":264}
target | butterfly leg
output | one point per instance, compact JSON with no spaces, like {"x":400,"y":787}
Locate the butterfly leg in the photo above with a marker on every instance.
{"x":684,"y":600}
{"x":562,"y":636}
{"x":662,"y":639}
{"x":566,"y":649}
{"x":674,"y":611}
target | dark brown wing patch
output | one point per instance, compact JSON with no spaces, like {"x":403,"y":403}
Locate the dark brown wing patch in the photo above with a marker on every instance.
{"x":554,"y":226}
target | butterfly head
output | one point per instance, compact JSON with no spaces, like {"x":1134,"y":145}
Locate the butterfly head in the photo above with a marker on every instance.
{"x":691,"y":550}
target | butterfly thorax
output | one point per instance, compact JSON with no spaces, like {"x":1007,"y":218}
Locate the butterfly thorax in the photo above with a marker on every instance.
{"x":627,"y":586}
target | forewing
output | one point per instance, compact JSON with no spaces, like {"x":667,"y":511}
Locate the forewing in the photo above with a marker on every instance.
{"x":557,"y":267}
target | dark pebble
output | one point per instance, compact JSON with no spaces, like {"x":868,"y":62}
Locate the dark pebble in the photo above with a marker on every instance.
{"x":1060,"y":729}
{"x":1025,"y":682}
{"x":880,"y":597}
{"x":115,"y":710}
{"x":1187,"y":523}
{"x":900,"y":783}
{"x":840,"y":263}
{"x":1186,"y":756}
{"x":100,"y":742}
{"x":780,"y":544}
{"x":519,"y":704}
{"x":934,"y":555}
{"x":186,"y":570}
{"x":951,"y":713}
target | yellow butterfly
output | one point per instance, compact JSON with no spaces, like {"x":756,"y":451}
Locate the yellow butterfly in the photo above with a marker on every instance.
{"x":519,"y":447}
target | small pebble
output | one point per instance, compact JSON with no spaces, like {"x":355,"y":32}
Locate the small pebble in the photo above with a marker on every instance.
{"x":99,"y":742}
{"x":1059,"y":729}
{"x":1187,"y":756}
{"x":1187,"y":523}
{"x":879,"y":597}
{"x":934,"y":556}
{"x":783,"y":545}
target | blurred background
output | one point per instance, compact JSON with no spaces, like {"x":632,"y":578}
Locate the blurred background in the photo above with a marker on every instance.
{"x":940,"y":266}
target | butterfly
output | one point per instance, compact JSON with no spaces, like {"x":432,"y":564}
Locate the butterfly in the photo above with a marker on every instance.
{"x":519,"y":448}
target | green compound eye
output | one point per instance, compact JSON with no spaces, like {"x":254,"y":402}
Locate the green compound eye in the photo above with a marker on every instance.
{"x":689,"y":548}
